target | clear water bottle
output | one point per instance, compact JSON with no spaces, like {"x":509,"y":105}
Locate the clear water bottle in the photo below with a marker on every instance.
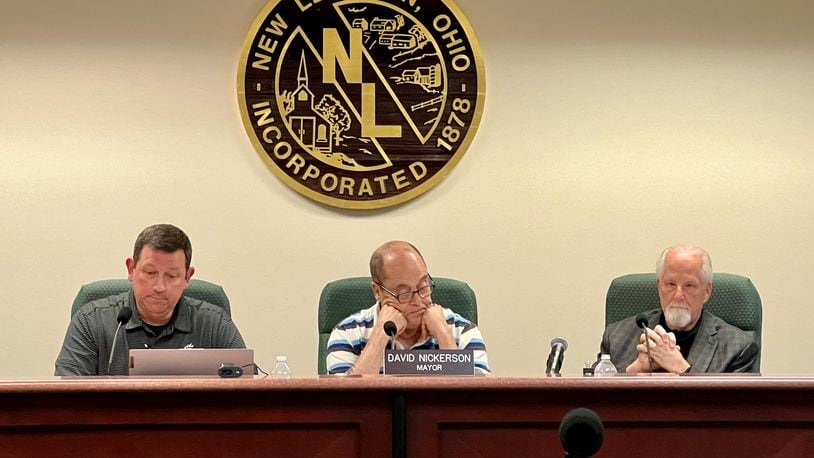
{"x":281,"y":369}
{"x":605,"y":368}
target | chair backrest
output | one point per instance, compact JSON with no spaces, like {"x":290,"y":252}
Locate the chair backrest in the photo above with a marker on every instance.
{"x":342,"y":298}
{"x":734,"y":299}
{"x":197,"y":289}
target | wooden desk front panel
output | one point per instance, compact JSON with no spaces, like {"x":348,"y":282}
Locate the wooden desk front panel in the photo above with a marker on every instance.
{"x":100,"y":419}
{"x":645,"y":417}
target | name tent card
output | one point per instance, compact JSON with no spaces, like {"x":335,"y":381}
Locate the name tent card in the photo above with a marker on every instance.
{"x":429,"y":362}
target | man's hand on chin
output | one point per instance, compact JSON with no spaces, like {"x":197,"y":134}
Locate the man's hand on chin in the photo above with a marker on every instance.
{"x":436,"y":325}
{"x":389,"y":313}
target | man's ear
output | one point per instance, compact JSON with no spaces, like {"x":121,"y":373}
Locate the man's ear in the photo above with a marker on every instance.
{"x":131,"y":267}
{"x":190,"y":273}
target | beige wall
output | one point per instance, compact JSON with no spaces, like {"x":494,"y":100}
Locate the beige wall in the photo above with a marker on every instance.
{"x":612,"y":129}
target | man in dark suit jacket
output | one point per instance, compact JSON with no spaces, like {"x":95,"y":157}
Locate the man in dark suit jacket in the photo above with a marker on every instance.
{"x":681,"y":335}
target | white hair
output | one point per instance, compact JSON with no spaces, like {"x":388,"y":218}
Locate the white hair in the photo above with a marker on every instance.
{"x":706,"y":265}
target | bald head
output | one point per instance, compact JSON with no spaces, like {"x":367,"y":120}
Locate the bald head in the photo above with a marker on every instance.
{"x":393,"y":253}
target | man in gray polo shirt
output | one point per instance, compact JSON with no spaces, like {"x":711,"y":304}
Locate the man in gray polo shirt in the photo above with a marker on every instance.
{"x":162,"y":317}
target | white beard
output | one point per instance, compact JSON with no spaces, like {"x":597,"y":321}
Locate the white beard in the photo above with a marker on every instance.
{"x":677,"y":316}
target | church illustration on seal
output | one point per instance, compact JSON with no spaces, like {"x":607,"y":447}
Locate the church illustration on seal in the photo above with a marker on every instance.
{"x":318,"y":125}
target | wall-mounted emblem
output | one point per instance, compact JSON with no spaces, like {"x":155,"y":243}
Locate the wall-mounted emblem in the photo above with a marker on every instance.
{"x":361,"y":104}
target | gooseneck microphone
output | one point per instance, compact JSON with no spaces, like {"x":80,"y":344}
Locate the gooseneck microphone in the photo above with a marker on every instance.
{"x":581,"y":433}
{"x":390,"y":329}
{"x":641,"y":321}
{"x":124,"y":316}
{"x":556,"y":356}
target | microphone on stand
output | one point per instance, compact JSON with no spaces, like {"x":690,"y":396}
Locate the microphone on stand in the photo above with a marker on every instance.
{"x":581,"y":433}
{"x":390,"y":329}
{"x":124,"y":316}
{"x":641,"y":321}
{"x":556,"y":356}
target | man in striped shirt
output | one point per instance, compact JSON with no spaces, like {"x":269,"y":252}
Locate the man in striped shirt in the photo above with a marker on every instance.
{"x":403,"y":289}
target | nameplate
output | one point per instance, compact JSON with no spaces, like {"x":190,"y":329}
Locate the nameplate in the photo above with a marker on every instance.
{"x":429,"y":362}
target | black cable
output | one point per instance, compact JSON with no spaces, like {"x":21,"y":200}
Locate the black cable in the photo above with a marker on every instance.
{"x":256,"y":369}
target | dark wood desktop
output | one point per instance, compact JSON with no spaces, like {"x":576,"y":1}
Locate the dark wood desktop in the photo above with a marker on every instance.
{"x":334,"y":417}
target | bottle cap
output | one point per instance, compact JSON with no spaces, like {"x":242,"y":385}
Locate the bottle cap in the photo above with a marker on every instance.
{"x":282,"y":359}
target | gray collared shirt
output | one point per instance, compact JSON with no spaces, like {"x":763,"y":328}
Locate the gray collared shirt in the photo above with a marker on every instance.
{"x":89,"y":339}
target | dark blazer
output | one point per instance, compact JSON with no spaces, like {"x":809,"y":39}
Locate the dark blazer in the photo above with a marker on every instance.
{"x":718,"y":346}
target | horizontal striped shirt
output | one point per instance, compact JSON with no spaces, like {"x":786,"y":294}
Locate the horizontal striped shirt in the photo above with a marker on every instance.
{"x":350,"y":336}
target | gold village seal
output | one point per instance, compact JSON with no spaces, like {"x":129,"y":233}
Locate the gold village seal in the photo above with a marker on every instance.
{"x":361,"y":104}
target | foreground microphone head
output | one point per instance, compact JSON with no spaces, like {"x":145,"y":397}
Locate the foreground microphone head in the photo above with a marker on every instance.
{"x":390,"y":328}
{"x":641,"y":320}
{"x":124,"y":315}
{"x":581,"y":433}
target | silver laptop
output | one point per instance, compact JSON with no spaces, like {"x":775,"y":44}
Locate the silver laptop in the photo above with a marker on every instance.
{"x":190,"y":361}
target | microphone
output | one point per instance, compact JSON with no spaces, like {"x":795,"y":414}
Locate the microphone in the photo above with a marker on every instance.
{"x":581,"y":433}
{"x":124,"y":316}
{"x":554,"y":362}
{"x":390,"y":329}
{"x":641,"y":321}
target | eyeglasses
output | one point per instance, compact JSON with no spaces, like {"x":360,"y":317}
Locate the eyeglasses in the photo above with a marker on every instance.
{"x":404,"y":298}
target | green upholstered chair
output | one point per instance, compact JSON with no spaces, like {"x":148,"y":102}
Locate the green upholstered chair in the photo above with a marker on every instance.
{"x":197,"y":289}
{"x":342,"y":298}
{"x":734,"y":299}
